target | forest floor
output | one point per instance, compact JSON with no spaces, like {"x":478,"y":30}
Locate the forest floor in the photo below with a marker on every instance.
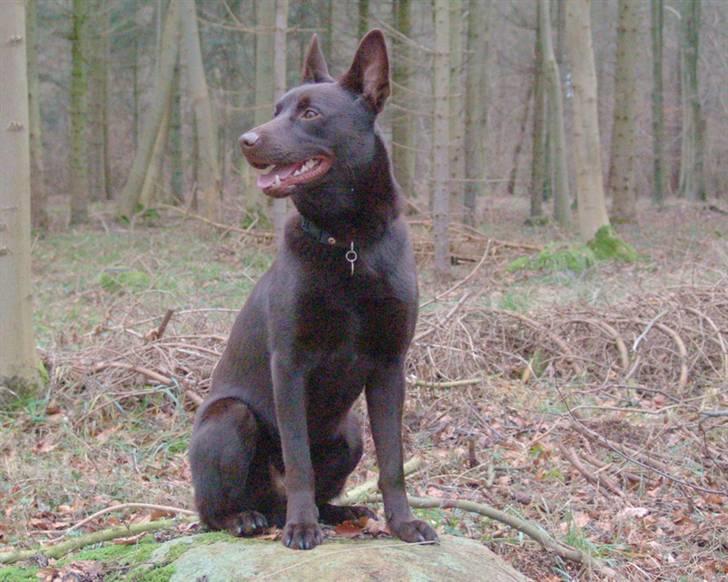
{"x":589,"y":399}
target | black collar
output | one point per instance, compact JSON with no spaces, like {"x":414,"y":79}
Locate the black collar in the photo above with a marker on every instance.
{"x":323,"y":236}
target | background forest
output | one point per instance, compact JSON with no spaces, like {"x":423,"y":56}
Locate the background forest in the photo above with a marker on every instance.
{"x":565,"y":168}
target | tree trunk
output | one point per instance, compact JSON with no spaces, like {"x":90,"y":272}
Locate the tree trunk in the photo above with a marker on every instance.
{"x":363,"y":21}
{"x":557,"y":137}
{"x":152,"y":188}
{"x":403,"y":146}
{"x":621,"y":172}
{"x":264,"y":50}
{"x":279,"y":88}
{"x":692,"y":183}
{"x":18,"y":358}
{"x":208,"y":172}
{"x":476,"y":105}
{"x":457,"y":113}
{"x":440,"y":134}
{"x":592,"y":210}
{"x":39,"y":195}
{"x":98,"y":62}
{"x":129,"y":197}
{"x":79,"y":159}
{"x":659,"y":186}
{"x":511,"y":188}
{"x":175,"y":139}
{"x":538,"y":158}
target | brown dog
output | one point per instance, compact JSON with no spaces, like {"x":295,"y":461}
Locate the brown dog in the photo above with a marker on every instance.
{"x":333,"y":317}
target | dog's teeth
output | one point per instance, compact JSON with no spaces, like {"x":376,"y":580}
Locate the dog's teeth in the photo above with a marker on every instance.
{"x":277,"y":181}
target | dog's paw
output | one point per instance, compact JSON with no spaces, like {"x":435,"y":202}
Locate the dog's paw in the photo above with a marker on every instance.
{"x":246,"y":524}
{"x":302,"y":536}
{"x":336,"y":514}
{"x":415,"y":531}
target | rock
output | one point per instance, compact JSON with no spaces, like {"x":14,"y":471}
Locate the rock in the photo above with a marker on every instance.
{"x":224,"y":560}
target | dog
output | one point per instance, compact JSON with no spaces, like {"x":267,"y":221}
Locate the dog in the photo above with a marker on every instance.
{"x":334,"y":316}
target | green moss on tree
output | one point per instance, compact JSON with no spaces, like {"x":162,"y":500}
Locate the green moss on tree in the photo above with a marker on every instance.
{"x":606,"y":246}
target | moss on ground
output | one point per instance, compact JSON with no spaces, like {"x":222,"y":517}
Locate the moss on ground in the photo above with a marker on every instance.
{"x":605,"y":246}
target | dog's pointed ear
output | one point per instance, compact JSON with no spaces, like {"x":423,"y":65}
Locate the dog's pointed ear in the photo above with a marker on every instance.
{"x":369,"y":72}
{"x":315,"y":69}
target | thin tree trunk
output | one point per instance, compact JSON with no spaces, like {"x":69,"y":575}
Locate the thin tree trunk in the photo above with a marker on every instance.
{"x":97,"y":59}
{"x":538,"y":158}
{"x":363,"y":21}
{"x":279,"y":88}
{"x":18,"y":358}
{"x":175,"y":139}
{"x":457,"y":112}
{"x":557,"y":141}
{"x":621,"y":173}
{"x":403,"y":153}
{"x":522,"y":125}
{"x":39,"y":196}
{"x":440,"y":134}
{"x":592,"y":210}
{"x":209,"y":173}
{"x":692,"y":183}
{"x":477,"y":94}
{"x":152,"y":192}
{"x":79,"y":160}
{"x":264,"y":49}
{"x":135,"y":84}
{"x":659,"y":186}
{"x":129,"y":197}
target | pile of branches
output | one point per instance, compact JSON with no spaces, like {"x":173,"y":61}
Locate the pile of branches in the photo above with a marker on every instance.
{"x":676,"y":338}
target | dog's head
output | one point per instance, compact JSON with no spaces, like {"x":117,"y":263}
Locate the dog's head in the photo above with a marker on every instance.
{"x":321,"y":122}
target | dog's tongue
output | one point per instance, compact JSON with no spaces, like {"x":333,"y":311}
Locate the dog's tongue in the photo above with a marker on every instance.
{"x":266,"y":180}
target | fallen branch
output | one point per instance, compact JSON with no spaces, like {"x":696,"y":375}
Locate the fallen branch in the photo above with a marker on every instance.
{"x":104,"y":535}
{"x":151,"y":374}
{"x":598,"y":480}
{"x":86,"y":520}
{"x":355,"y":495}
{"x":531,"y":530}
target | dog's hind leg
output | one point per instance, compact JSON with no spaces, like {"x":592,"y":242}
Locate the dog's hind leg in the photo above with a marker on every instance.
{"x":230,"y":469}
{"x":333,"y":461}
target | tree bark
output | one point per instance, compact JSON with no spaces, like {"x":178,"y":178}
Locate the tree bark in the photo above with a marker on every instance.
{"x":511,"y":187}
{"x":621,"y":172}
{"x":175,"y":139}
{"x":18,"y":358}
{"x":457,"y":112}
{"x":98,"y":60}
{"x":538,"y":158}
{"x":264,"y":50}
{"x":557,"y":141}
{"x":440,"y":151}
{"x":208,"y":172}
{"x":279,"y":88}
{"x":403,"y":147}
{"x":363,"y":21}
{"x":129,"y":197}
{"x":79,"y":88}
{"x":39,"y":194}
{"x":659,"y":186}
{"x":477,"y":93}
{"x":692,"y":182}
{"x":592,"y":210}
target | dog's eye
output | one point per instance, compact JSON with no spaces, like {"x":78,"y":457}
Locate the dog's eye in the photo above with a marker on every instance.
{"x":309,"y":114}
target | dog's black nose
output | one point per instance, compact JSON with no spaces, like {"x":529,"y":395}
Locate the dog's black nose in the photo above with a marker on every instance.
{"x":249,"y":139}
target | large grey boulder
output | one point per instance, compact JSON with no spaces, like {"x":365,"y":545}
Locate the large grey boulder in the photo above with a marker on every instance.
{"x":225,"y":560}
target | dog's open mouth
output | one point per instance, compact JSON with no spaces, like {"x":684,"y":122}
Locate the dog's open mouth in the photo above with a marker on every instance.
{"x":278,"y":180}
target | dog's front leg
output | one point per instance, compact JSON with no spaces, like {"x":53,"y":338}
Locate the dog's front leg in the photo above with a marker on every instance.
{"x":302,"y":531}
{"x":385,"y":398}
